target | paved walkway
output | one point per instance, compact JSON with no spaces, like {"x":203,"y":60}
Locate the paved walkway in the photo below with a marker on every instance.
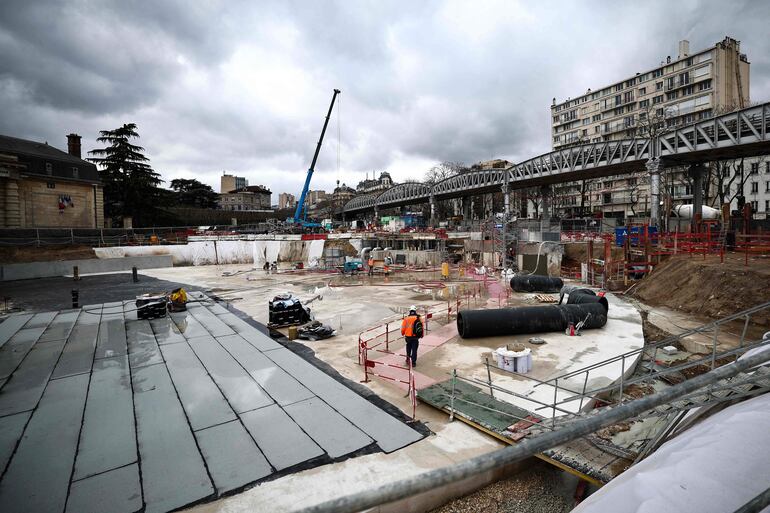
{"x":428,"y":343}
{"x":101,"y":411}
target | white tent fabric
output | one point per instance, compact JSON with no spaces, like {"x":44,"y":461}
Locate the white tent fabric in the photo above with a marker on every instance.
{"x":715,"y":466}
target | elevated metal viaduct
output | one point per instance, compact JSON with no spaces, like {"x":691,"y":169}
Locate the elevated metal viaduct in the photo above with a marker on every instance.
{"x":743,"y":133}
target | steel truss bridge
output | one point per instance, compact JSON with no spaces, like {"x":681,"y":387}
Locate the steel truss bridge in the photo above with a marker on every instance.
{"x":743,"y":133}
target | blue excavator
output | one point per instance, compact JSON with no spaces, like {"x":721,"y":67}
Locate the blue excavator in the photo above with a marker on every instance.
{"x":300,"y":215}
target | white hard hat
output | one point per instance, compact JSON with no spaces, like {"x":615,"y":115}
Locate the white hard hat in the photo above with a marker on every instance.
{"x":412,"y":308}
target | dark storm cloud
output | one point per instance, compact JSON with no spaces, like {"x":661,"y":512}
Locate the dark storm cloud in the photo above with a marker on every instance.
{"x":244,"y":86}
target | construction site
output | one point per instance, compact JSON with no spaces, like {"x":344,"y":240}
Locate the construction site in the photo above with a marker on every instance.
{"x":280,"y":381}
{"x":471,"y":342}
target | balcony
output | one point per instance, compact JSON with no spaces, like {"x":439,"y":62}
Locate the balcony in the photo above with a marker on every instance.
{"x":677,"y":84}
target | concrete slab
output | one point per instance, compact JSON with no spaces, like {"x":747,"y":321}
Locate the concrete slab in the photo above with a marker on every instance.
{"x":333,"y":432}
{"x":38,"y":476}
{"x":11,"y":428}
{"x":11,"y":325}
{"x":389,"y":433}
{"x":108,"y":437}
{"x":280,"y":439}
{"x":247,"y":331}
{"x":173,"y":473}
{"x":278,"y":383}
{"x":60,"y":327}
{"x":202,"y":401}
{"x":232,"y":456}
{"x":14,"y":351}
{"x":78,"y":354}
{"x":22,"y":392}
{"x":216,"y":308}
{"x":213,"y":324}
{"x":166,"y":331}
{"x":142,"y":346}
{"x":117,"y":491}
{"x":240,"y":389}
{"x":32,"y":270}
{"x":112,"y":333}
{"x":39,"y":320}
{"x":189,"y":326}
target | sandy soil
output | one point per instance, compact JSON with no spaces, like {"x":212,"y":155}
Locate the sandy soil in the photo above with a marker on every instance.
{"x":21,"y":254}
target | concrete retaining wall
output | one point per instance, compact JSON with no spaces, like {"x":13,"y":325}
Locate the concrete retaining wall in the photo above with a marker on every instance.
{"x":93,"y":265}
{"x":208,"y":252}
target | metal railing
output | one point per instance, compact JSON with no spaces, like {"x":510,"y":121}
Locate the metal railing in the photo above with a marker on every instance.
{"x":446,"y":475}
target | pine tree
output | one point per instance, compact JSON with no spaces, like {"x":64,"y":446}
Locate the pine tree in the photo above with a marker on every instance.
{"x":193,"y":193}
{"x":130,"y":184}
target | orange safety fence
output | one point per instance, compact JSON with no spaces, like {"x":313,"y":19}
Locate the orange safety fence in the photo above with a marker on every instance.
{"x":755,"y":244}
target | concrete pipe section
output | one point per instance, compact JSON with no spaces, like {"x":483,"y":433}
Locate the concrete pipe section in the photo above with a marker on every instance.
{"x":529,"y":319}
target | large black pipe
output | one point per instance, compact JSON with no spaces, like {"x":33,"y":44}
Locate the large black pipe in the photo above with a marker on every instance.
{"x":536,"y":283}
{"x":578,"y":297}
{"x":528,"y":319}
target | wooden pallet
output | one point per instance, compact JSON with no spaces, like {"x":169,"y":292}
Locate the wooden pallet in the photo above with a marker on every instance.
{"x":546,"y":298}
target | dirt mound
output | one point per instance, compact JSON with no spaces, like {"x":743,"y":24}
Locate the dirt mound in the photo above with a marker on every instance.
{"x":708,"y":288}
{"x":23,"y":254}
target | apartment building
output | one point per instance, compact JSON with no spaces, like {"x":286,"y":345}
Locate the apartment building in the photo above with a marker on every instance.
{"x":685,"y":89}
{"x":680,"y":91}
{"x":286,"y":200}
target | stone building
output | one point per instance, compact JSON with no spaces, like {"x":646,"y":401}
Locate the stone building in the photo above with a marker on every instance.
{"x":375,"y":184}
{"x":249,"y":198}
{"x":44,"y":187}
{"x":342,"y":194}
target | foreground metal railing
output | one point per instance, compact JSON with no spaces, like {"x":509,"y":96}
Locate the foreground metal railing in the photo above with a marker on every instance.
{"x":443,"y":476}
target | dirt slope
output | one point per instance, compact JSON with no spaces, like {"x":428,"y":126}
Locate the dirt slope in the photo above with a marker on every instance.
{"x":708,"y":288}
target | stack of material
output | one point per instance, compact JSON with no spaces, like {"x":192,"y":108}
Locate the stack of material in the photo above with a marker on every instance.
{"x":151,"y":306}
{"x":286,"y":310}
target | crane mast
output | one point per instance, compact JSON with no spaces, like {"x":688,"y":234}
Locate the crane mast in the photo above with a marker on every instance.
{"x":298,"y":213}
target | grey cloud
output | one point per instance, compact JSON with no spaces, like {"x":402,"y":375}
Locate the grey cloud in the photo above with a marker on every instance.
{"x":418,"y":86}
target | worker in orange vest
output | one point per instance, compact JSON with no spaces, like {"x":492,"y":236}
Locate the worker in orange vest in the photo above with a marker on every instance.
{"x":412,"y":330}
{"x":370,"y":263}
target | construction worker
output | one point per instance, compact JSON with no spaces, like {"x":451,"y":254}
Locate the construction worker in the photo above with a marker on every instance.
{"x":412,"y":330}
{"x":370,"y":263}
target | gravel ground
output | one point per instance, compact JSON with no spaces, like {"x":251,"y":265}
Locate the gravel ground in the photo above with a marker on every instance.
{"x":539,"y":489}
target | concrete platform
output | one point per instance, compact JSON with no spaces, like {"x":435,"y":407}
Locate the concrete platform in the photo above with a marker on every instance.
{"x":100,"y":411}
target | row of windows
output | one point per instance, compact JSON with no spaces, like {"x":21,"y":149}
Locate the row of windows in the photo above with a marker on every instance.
{"x":691,"y":61}
{"x":755,"y":187}
{"x":49,"y":170}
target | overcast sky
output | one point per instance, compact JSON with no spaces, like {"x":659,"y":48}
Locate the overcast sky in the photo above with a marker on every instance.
{"x":244,"y":86}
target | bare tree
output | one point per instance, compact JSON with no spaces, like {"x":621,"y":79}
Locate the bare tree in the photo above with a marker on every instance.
{"x":443,"y":171}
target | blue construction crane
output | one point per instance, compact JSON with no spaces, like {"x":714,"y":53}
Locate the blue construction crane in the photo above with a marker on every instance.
{"x":301,"y":213}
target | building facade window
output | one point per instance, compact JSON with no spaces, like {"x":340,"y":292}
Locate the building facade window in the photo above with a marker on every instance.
{"x":48,"y":168}
{"x":754,"y":187}
{"x":754,"y":206}
{"x":754,"y":168}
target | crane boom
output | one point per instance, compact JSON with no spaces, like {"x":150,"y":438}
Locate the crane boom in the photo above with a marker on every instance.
{"x":301,"y":202}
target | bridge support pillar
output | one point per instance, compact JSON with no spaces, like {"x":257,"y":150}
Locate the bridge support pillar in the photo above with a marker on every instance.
{"x":376,"y":215}
{"x":545,"y":195}
{"x":653,"y":167}
{"x":696,"y":173}
{"x":506,"y":201}
{"x":433,"y":210}
{"x":467,"y":210}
